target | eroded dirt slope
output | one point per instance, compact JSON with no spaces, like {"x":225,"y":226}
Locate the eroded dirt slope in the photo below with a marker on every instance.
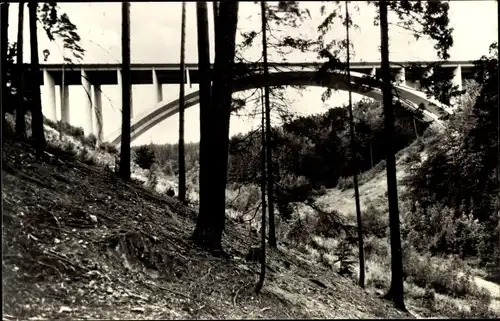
{"x":79,"y":243}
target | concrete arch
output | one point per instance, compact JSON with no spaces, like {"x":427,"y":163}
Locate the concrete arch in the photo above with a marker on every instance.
{"x":361,"y":84}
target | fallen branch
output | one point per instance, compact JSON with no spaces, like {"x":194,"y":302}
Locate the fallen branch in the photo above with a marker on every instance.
{"x":66,"y":260}
{"x":208,"y":273}
{"x":169,"y":290}
{"x":237,"y":292}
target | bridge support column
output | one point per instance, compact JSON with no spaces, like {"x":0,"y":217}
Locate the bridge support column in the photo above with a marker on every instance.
{"x":48,"y":82}
{"x":457,"y":81}
{"x":88,"y":126}
{"x":373,"y":72}
{"x":401,"y":77}
{"x":457,"y":77}
{"x":188,"y":79}
{"x":97,"y":102}
{"x":157,"y":93}
{"x":65,"y":114}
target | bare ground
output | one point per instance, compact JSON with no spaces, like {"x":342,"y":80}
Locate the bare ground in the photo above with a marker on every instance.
{"x":79,"y":243}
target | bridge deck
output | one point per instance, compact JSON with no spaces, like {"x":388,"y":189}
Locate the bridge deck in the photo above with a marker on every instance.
{"x":141,"y":73}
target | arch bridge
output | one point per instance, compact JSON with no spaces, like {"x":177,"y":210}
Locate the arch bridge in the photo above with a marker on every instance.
{"x":92,"y":76}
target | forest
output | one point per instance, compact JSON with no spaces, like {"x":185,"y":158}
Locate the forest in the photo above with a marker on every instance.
{"x":367,"y":198}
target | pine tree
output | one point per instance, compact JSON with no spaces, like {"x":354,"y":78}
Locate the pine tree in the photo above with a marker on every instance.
{"x":396,"y":292}
{"x":126,"y":93}
{"x":355,"y":160}
{"x":37,"y":115}
{"x":21,"y":108}
{"x":182,"y":159}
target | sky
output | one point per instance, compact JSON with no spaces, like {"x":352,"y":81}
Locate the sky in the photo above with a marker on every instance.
{"x":155,"y":38}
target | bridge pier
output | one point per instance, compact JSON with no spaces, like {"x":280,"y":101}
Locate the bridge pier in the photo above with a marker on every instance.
{"x":188,"y":79}
{"x":97,"y":102}
{"x":401,"y":77}
{"x":65,"y":114}
{"x":373,"y":72}
{"x":49,"y":83}
{"x":157,"y":93}
{"x":88,"y":125}
{"x":457,"y":77}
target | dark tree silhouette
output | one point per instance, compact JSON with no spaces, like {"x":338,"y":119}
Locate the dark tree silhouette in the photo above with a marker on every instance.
{"x":126,"y":93}
{"x":37,"y":115}
{"x":268,"y":146}
{"x":498,"y":112}
{"x":4,"y":44}
{"x":182,"y":158}
{"x":203,"y":223}
{"x":396,"y":292}
{"x":355,"y":166}
{"x":145,"y":156}
{"x":215,"y":132}
{"x":20,"y":120}
{"x":263,"y":181}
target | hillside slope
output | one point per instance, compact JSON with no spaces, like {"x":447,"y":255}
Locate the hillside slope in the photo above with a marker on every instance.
{"x":372,"y":191}
{"x":79,"y":243}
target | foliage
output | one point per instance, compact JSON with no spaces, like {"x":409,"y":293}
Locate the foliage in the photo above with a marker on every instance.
{"x":443,"y":277}
{"x":90,"y":141}
{"x":374,"y":221}
{"x":153,"y":177}
{"x":108,"y":147}
{"x":59,"y":26}
{"x":426,"y":18}
{"x":144,"y":156}
{"x":456,"y":183}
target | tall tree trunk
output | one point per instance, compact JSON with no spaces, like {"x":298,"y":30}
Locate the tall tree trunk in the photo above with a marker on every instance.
{"x":396,"y":292}
{"x":498,"y":113}
{"x":4,"y":47}
{"x":355,"y":160}
{"x":203,"y":223}
{"x":225,"y":49}
{"x":215,"y":136}
{"x":21,"y":111}
{"x":38,"y":134}
{"x":269,"y":148}
{"x":182,"y":160}
{"x":126,"y":93}
{"x":263,"y":181}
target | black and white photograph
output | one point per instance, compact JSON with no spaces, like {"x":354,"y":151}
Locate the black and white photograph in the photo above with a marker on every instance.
{"x":250,"y":159}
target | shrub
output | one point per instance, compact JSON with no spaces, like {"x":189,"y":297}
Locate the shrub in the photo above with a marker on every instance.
{"x":443,"y":276}
{"x":320,"y":191}
{"x":152,"y":178}
{"x":86,"y":156}
{"x":144,"y":157}
{"x":108,"y":147}
{"x":376,"y":247}
{"x":70,"y":147}
{"x":344,"y":183}
{"x":439,"y":229}
{"x":375,"y":221}
{"x":76,"y":132}
{"x":244,"y":198}
{"x":90,"y":141}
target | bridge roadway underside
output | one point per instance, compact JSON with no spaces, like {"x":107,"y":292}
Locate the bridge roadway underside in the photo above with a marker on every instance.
{"x":141,"y":74}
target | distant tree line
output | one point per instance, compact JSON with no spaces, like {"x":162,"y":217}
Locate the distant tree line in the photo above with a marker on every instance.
{"x":314,"y":147}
